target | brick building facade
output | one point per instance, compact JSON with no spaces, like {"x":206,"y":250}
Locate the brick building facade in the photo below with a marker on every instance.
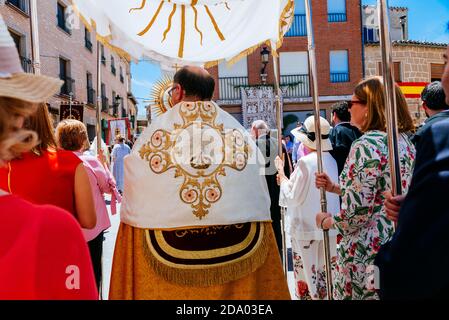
{"x":416,"y":63}
{"x":70,"y":53}
{"x":338,"y":37}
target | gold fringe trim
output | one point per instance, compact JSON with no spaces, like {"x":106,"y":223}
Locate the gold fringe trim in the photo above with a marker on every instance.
{"x":212,"y":276}
{"x":284,"y":20}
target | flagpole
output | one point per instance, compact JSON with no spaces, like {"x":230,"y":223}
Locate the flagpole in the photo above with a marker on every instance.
{"x":35,"y":37}
{"x":314,"y":81}
{"x":390,"y":97}
{"x":98,"y":117}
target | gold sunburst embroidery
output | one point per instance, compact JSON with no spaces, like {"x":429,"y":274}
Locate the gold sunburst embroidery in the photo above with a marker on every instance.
{"x":201,"y":187}
{"x":193,"y":6}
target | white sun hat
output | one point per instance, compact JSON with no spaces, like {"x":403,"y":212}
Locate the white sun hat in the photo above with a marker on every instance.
{"x":14,"y":82}
{"x":306,"y":134}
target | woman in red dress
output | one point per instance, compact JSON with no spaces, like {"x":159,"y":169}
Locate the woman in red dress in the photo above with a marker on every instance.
{"x":46,"y":175}
{"x":43,"y":254}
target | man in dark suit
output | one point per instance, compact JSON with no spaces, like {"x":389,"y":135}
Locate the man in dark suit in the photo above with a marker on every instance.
{"x":415,"y":263}
{"x":435,"y":106}
{"x":343,"y":134}
{"x":268,"y":145}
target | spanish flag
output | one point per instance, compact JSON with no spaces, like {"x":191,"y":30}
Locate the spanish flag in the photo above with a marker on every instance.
{"x":412,"y":89}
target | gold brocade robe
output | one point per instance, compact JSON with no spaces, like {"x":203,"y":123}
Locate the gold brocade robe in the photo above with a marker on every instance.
{"x":243,"y":263}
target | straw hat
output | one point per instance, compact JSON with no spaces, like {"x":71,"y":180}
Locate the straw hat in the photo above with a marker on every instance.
{"x":306,"y":134}
{"x":14,"y":82}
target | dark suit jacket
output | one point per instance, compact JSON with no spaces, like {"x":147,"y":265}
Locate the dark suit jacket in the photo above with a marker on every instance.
{"x":429,"y":122}
{"x":415,"y":263}
{"x":268,"y":147}
{"x":342,"y":136}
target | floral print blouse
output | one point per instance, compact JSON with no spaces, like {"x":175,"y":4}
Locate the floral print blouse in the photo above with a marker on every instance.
{"x":362,"y":223}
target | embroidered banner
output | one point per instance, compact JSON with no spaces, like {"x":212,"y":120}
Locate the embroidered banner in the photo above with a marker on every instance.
{"x":259,"y":103}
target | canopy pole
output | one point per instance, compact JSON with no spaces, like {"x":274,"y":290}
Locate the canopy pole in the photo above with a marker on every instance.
{"x":34,"y":23}
{"x":390,"y":97}
{"x":98,"y":117}
{"x":278,"y":93}
{"x":314,"y":81}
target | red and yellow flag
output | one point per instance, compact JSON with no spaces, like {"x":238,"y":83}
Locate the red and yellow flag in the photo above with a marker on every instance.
{"x":412,"y":89}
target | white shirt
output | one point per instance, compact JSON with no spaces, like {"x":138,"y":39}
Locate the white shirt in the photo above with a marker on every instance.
{"x":302,"y":198}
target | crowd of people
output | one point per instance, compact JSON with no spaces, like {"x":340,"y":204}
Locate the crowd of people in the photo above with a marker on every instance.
{"x":199,"y":229}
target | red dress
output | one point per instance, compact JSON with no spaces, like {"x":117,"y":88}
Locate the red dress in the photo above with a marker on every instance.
{"x":45,"y":179}
{"x":43,"y":254}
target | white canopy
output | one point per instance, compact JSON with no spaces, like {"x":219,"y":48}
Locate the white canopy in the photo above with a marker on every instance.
{"x":188,"y":31}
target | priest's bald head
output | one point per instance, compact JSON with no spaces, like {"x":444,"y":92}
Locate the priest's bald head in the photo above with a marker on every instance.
{"x":192,"y":84}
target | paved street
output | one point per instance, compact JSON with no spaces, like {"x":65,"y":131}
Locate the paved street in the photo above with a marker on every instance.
{"x":108,"y":252}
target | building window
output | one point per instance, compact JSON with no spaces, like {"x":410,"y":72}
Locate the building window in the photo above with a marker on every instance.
{"x":339,"y":66}
{"x":87,"y":39}
{"x":90,"y":89}
{"x":113,"y":70}
{"x":122,"y":78}
{"x":22,"y":5}
{"x":20,"y":43}
{"x":62,"y":21}
{"x":103,"y":56}
{"x":336,"y":11}
{"x":114,"y":104}
{"x":299,"y":26}
{"x":294,"y":70}
{"x":231,"y":79}
{"x":104,"y":99}
{"x":436,"y":71}
{"x":397,"y":71}
{"x":64,"y":74}
{"x":370,"y":35}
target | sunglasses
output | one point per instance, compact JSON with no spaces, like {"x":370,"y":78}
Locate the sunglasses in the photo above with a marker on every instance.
{"x":353,"y":102}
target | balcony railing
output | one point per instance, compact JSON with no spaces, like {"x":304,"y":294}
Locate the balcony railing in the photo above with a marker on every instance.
{"x":337,"y":77}
{"x":299,"y":26}
{"x":27,"y":64}
{"x":113,"y":70}
{"x":336,"y":17}
{"x":115,"y":111}
{"x":103,"y":60}
{"x":22,"y":5}
{"x":124,"y":113}
{"x":295,"y":86}
{"x":88,"y":44}
{"x":91,"y":94}
{"x":68,"y":86}
{"x":122,"y":78}
{"x":104,"y":104}
{"x":230,"y":87}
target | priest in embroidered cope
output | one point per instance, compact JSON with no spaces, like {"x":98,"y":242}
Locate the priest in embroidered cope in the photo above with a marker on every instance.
{"x":196,"y":210}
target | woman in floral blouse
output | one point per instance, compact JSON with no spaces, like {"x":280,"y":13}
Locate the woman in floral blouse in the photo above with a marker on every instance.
{"x":362,"y":223}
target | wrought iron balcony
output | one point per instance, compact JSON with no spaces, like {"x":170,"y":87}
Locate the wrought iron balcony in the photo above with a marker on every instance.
{"x":68,"y":86}
{"x":88,"y":44}
{"x":229,"y":87}
{"x":91,"y":95}
{"x":336,"y":17}
{"x":337,"y":77}
{"x":299,"y":26}
{"x":104,"y":104}
{"x":295,"y":86}
{"x":27,"y":64}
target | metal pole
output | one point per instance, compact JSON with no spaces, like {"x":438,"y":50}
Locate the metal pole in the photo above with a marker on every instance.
{"x":98,"y":127}
{"x":35,"y":37}
{"x":280,"y":153}
{"x":316,"y":103}
{"x":390,"y":97}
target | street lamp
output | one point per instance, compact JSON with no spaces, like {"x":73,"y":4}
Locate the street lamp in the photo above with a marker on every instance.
{"x":117,"y":101}
{"x":265,"y":55}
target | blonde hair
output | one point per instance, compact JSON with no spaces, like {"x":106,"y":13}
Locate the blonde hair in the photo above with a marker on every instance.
{"x":15,"y":141}
{"x":371,"y":92}
{"x":72,"y":135}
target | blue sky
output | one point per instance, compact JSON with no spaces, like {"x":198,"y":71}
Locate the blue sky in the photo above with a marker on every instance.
{"x":428,"y":21}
